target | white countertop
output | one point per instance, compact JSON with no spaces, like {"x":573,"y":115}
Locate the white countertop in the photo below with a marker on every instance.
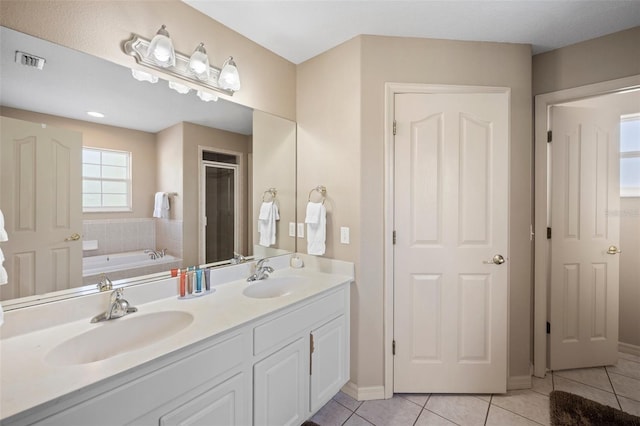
{"x":27,"y":380}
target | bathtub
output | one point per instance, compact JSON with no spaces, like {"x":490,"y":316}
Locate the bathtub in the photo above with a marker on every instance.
{"x":125,"y":265}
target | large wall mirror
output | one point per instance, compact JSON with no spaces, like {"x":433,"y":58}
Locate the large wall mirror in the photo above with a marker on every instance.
{"x":80,"y":194}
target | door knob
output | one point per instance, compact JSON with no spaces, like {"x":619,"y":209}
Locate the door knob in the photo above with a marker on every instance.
{"x":73,"y":237}
{"x":498,"y":259}
{"x":613,"y":250}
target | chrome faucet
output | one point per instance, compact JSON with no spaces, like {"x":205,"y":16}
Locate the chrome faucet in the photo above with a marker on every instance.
{"x":237,"y":258}
{"x":118,"y":307}
{"x":155,"y":254}
{"x":262,"y":272}
{"x":105,"y":283}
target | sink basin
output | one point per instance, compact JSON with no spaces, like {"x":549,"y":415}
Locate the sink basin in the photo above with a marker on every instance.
{"x":118,"y":336}
{"x":274,"y":287}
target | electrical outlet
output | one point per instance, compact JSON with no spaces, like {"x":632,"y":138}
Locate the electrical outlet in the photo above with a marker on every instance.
{"x":301,"y":230}
{"x":344,"y":235}
{"x":292,"y":229}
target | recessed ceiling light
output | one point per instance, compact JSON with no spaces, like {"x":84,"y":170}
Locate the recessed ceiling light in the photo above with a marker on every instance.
{"x":96,"y":114}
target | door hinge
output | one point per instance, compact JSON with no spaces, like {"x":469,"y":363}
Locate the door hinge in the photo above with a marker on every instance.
{"x":394,"y":237}
{"x":548,"y":233}
{"x":311,"y":349}
{"x":549,"y":136}
{"x":393,"y":347}
{"x":394,"y":127}
{"x":548,"y":327}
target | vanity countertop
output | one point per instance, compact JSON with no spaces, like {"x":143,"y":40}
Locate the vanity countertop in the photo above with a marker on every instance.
{"x":28,"y":380}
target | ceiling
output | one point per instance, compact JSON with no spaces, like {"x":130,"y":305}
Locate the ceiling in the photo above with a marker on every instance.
{"x":301,"y":29}
{"x":73,"y":83}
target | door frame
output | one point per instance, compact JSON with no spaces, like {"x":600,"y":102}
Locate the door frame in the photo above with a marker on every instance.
{"x":391,"y":89}
{"x":239,"y":233}
{"x":542,"y":263}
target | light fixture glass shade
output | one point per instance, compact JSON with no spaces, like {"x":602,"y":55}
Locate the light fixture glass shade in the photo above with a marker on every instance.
{"x":229,"y":78}
{"x":207,"y":97}
{"x":143,"y":76}
{"x":199,"y":63}
{"x":180,"y":88}
{"x":161,"y":49}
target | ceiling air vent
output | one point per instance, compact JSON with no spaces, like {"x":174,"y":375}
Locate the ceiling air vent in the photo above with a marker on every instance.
{"x":29,"y":60}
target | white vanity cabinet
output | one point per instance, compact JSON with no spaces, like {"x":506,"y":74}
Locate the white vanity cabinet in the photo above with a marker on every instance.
{"x":302,"y":360}
{"x":276,"y":369}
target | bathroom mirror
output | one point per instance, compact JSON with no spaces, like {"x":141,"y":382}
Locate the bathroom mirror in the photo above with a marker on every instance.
{"x":216,"y":161}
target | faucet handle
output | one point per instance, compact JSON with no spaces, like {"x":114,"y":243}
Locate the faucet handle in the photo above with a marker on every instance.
{"x":262,"y":262}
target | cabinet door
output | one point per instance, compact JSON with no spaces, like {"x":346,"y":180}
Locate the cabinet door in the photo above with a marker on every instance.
{"x":221,"y":405}
{"x":328,"y":361}
{"x":280,"y":386}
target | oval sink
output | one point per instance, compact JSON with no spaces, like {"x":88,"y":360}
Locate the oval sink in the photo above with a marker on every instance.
{"x":118,"y":336}
{"x":273,"y":287}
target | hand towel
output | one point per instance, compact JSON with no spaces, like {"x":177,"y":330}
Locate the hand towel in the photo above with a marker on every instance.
{"x":161,"y":205}
{"x":267,"y":218}
{"x":316,"y":220}
{"x":3,"y":232}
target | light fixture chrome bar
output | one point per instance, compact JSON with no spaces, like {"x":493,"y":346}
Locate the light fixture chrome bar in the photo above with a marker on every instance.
{"x":137,"y":47}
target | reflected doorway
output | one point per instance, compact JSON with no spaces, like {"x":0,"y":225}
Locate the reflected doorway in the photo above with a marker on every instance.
{"x":221,"y":205}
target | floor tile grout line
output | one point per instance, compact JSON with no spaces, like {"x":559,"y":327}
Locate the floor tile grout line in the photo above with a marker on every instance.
{"x":613,"y":387}
{"x":486,"y":416}
{"x":419,"y":414}
{"x":625,"y":375}
{"x":591,"y":386}
{"x":441,"y":416}
{"x":518,"y":414}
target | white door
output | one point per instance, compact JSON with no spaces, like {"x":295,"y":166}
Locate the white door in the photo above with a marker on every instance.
{"x":40,"y":197}
{"x":584,"y":222}
{"x":451,"y":222}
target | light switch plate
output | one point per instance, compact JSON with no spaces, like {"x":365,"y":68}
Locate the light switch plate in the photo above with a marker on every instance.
{"x":301,"y":230}
{"x":292,"y":229}
{"x":344,"y":235}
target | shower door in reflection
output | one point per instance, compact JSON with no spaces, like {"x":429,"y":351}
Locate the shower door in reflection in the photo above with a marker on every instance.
{"x":220,"y":187}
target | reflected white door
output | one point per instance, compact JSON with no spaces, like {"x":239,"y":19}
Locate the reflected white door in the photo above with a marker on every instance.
{"x":584,"y":276}
{"x":451,"y":220}
{"x":40,"y":197}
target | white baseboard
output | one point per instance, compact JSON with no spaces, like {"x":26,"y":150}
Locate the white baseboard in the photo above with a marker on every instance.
{"x":628,"y":348}
{"x":363,"y":393}
{"x":519,"y":382}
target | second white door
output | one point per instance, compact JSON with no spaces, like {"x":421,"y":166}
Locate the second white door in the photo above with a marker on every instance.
{"x":450,"y":258}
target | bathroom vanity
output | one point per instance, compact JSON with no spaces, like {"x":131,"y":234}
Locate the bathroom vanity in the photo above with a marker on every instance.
{"x":242,"y":355}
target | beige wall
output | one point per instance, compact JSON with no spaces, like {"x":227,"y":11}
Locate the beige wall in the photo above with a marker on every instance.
{"x":274,"y":145}
{"x":341,"y":145}
{"x":194,"y":136}
{"x":100,"y":27}
{"x":601,"y":59}
{"x":141,"y":145}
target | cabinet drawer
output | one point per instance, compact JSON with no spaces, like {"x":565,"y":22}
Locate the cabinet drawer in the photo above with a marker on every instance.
{"x":279,"y":330}
{"x":156,"y":388}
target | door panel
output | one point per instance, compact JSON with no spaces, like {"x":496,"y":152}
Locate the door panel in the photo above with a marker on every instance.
{"x":584,"y":278}
{"x":40,"y":196}
{"x":451,"y":217}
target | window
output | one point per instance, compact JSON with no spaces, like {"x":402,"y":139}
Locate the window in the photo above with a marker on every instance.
{"x":106,"y":180}
{"x":630,"y":156}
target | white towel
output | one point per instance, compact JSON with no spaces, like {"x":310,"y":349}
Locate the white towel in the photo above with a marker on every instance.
{"x":4,"y":279}
{"x":3,"y":232}
{"x":161,"y":205}
{"x":316,"y":220}
{"x":267,"y":218}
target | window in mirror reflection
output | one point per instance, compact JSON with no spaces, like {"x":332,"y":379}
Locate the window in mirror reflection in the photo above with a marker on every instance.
{"x":106,"y":180}
{"x":630,"y":156}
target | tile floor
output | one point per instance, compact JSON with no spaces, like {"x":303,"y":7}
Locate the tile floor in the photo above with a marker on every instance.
{"x":617,"y":386}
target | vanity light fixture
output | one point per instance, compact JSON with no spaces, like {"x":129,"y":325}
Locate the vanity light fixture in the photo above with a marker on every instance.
{"x":180,"y":88}
{"x":161,"y":49}
{"x":144,"y":76}
{"x":229,"y":78}
{"x":199,"y":63}
{"x":95,"y":114}
{"x":185,"y":71}
{"x":207,"y":97}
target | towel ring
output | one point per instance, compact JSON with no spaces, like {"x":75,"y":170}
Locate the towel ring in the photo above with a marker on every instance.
{"x":272,"y":192}
{"x":320,"y":189}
